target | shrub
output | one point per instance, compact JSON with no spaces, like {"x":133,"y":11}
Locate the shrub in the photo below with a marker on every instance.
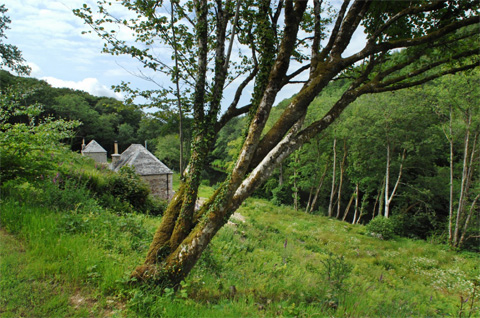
{"x":381,"y":227}
{"x":27,"y":142}
{"x":127,"y":186}
{"x":336,"y":272}
{"x":282,"y":195}
{"x":122,"y":192}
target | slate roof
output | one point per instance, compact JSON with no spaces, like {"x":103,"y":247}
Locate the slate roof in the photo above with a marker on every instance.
{"x":93,"y":147}
{"x":144,"y":162}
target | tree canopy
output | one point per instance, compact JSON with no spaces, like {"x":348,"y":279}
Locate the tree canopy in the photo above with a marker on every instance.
{"x":11,"y":56}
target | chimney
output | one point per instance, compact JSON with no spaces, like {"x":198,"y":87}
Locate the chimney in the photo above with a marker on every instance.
{"x":115,"y":155}
{"x":83,"y":145}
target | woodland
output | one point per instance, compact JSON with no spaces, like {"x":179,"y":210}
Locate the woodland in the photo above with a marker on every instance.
{"x":367,"y":179}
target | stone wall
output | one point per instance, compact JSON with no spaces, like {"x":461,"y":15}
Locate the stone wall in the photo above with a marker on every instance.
{"x":160,"y":185}
{"x":100,"y":157}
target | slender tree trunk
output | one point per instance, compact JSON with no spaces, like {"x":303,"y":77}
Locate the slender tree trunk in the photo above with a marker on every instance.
{"x":356,"y":203}
{"x":177,"y":85}
{"x":348,"y":207}
{"x":467,"y":221}
{"x":450,"y":198}
{"x":340,"y":184}
{"x":320,"y":183}
{"x":387,"y":182}
{"x":332,"y":192}
{"x":295,"y":183}
{"x":381,"y":199}
{"x":375,"y":205}
{"x":362,"y":208}
{"x":389,"y":196}
{"x":463,"y":184}
{"x":310,"y":195}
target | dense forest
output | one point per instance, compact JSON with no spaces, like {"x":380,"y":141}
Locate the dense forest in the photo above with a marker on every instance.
{"x":394,"y":154}
{"x":104,"y":119}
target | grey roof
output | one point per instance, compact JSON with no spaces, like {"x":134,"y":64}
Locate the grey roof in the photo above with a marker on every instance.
{"x":93,"y":146}
{"x":144,"y":162}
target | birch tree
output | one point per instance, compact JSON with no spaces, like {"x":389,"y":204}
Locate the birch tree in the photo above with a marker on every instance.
{"x":461,"y":128}
{"x":284,"y":41}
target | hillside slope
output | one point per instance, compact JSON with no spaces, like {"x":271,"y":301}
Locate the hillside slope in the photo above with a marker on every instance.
{"x":275,"y":262}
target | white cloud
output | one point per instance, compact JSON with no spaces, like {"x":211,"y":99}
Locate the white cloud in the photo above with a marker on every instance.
{"x":36,"y":70}
{"x":90,"y":85}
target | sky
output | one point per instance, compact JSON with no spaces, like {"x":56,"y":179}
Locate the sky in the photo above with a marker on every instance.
{"x":51,"y":40}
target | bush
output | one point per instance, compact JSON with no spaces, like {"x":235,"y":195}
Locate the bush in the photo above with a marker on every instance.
{"x":28,"y":143}
{"x":382,"y":228}
{"x":414,"y":225}
{"x":127,"y":186}
{"x":123,"y":192}
{"x":282,"y":195}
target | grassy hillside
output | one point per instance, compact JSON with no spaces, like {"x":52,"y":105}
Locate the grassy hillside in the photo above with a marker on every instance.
{"x":74,"y":261}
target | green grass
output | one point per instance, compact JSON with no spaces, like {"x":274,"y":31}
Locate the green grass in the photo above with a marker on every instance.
{"x":74,"y":262}
{"x":204,"y":191}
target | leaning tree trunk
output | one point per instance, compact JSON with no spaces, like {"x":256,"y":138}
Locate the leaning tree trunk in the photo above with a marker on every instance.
{"x":348,"y":207}
{"x":184,"y":233}
{"x":319,"y":187}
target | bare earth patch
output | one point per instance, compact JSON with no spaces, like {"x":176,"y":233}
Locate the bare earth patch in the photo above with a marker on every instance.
{"x":235,"y":216}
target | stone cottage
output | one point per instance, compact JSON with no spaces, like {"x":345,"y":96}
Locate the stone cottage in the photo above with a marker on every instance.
{"x":94,"y":151}
{"x":150,"y":169}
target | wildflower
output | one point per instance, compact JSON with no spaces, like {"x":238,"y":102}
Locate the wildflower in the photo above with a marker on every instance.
{"x":56,"y":177}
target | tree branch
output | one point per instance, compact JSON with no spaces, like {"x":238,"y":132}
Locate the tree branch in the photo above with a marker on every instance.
{"x":370,"y":48}
{"x":352,"y":20}
{"x":425,"y":79}
{"x":334,"y":33}
{"x":232,"y":110}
